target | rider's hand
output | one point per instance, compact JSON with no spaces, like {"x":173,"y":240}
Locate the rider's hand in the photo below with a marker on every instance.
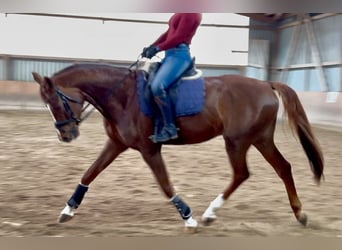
{"x":150,"y":51}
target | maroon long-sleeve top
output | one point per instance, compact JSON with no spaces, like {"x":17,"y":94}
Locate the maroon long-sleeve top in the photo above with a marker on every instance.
{"x":182,"y":28}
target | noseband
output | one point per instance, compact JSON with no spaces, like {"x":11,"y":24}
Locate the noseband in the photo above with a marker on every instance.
{"x":65,"y":100}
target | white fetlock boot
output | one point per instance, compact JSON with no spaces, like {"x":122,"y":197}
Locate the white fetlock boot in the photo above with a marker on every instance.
{"x":209,"y":215}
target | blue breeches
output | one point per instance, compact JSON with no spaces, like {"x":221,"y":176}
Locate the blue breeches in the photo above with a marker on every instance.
{"x":176,"y":61}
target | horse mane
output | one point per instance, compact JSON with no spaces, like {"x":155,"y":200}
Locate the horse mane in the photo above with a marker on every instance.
{"x":86,"y":66}
{"x":90,"y":73}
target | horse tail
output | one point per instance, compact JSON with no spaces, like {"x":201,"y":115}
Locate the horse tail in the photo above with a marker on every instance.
{"x":299,"y":123}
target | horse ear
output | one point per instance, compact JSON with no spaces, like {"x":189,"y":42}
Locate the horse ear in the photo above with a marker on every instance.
{"x":38,"y":78}
{"x":44,"y":82}
{"x":48,"y":82}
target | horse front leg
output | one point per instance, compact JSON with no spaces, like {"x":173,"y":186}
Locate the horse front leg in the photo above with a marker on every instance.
{"x":109,"y":153}
{"x":157,"y":165}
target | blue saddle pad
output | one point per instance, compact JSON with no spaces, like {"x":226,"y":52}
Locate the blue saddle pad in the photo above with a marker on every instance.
{"x":188,"y":96}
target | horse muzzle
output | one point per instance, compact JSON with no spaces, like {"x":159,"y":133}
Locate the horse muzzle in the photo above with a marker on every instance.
{"x":69,"y":135}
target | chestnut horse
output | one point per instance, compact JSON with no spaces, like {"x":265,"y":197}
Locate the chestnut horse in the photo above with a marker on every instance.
{"x":241,"y":109}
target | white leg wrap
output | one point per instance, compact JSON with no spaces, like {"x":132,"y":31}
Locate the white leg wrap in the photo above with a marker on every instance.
{"x":191,"y":223}
{"x":68,"y":211}
{"x":66,"y":214}
{"x":214,"y":205}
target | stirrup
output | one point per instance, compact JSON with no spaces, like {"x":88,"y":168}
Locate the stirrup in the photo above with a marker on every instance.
{"x":167,"y":133}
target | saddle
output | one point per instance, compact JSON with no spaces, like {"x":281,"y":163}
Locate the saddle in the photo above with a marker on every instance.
{"x":187,"y":93}
{"x":186,"y":96}
{"x":151,"y":68}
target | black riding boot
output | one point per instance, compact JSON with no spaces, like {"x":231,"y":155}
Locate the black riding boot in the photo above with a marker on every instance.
{"x":169,"y":129}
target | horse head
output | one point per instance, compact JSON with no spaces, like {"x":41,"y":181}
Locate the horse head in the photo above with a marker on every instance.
{"x":65,"y":105}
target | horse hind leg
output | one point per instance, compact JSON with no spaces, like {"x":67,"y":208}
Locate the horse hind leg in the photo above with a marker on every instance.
{"x":237,"y":156}
{"x":283,"y":168}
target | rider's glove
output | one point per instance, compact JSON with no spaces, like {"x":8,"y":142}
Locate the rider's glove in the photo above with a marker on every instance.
{"x":150,"y":51}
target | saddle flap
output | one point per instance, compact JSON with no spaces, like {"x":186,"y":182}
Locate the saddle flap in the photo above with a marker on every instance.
{"x":188,"y":97}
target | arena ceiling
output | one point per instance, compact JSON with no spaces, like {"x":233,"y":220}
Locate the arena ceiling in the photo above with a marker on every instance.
{"x":268,"y":17}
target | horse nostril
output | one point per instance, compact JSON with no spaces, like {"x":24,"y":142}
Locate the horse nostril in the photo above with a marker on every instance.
{"x":67,"y":139}
{"x":75,"y":133}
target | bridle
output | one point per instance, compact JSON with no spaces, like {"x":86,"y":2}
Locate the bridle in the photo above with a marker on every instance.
{"x":72,"y":117}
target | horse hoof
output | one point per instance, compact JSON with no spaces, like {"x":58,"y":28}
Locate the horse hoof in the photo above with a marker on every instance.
{"x":303,"y":219}
{"x":64,"y":218}
{"x":66,"y":214}
{"x":207,"y":221}
{"x":190,"y":230}
{"x":191,"y":225}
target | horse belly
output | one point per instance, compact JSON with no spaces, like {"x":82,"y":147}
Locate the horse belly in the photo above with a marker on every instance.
{"x":199,"y":128}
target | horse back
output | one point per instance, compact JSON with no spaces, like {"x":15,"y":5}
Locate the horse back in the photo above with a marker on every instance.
{"x":234,"y":105}
{"x":239,"y":91}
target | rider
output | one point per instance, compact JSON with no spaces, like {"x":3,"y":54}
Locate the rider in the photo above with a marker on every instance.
{"x":175,"y":42}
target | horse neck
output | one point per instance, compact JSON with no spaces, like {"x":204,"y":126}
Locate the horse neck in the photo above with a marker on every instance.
{"x":107,"y":91}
